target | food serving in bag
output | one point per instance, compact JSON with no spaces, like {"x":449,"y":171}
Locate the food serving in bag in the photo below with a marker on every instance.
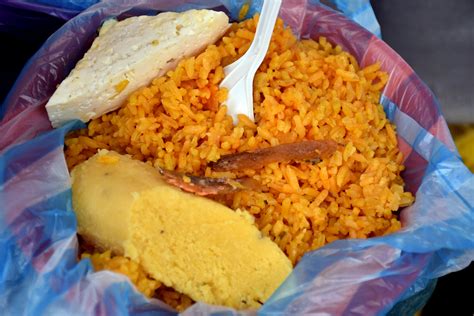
{"x":307,"y":94}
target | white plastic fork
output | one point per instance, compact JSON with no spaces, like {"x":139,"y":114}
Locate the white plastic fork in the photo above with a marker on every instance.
{"x":239,"y":75}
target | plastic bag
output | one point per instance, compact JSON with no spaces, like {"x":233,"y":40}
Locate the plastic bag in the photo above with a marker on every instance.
{"x":64,"y":9}
{"x":39,"y":272}
{"x":359,"y":11}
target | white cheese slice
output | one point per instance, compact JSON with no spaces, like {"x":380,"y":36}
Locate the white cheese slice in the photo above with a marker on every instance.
{"x":128,"y":55}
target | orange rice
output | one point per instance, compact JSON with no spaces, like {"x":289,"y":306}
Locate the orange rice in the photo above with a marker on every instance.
{"x":142,"y":281}
{"x":303,"y":90}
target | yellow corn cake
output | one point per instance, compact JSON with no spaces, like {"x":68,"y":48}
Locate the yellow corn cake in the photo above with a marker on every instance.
{"x":193,"y":244}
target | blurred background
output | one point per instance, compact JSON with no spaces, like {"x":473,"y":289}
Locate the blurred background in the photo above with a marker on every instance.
{"x":435,"y":37}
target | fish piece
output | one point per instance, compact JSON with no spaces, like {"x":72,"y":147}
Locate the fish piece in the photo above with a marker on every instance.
{"x":200,"y":185}
{"x":204,"y":186}
{"x":305,"y":150}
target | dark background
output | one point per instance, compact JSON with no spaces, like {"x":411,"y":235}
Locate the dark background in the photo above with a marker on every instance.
{"x":435,"y":37}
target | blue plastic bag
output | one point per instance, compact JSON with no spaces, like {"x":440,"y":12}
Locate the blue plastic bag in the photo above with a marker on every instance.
{"x":359,"y":11}
{"x":64,"y":9}
{"x":39,"y":273}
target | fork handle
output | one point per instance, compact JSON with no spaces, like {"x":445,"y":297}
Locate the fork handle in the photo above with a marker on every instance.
{"x":266,"y":23}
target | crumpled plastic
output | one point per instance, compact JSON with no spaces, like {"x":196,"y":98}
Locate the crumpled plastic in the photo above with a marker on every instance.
{"x":63,"y":9}
{"x":359,"y":11}
{"x":39,"y":271}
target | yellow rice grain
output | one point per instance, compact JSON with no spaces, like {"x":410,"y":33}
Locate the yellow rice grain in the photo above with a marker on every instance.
{"x":308,"y":89}
{"x":143,"y":282}
{"x":105,"y":261}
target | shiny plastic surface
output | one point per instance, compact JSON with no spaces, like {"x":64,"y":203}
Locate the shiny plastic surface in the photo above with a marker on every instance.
{"x":39,"y":273}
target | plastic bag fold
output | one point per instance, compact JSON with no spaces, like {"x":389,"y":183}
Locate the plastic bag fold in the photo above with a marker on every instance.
{"x":40,"y":274}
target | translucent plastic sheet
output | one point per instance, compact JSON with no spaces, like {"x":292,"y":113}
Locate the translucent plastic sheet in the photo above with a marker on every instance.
{"x":39,"y":272}
{"x":359,"y":11}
